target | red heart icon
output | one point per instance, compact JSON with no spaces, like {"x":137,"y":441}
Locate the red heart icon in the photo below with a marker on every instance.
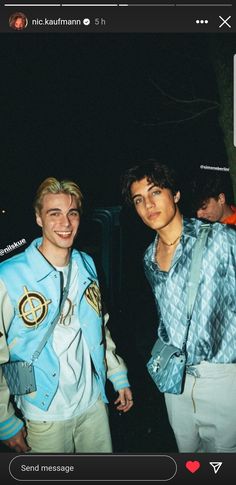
{"x":192,"y":466}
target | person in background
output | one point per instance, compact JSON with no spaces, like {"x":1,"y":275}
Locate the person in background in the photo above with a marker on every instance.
{"x":67,"y":413}
{"x":212,"y":197}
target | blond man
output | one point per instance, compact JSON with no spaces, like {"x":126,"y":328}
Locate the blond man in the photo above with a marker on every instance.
{"x":67,"y":412}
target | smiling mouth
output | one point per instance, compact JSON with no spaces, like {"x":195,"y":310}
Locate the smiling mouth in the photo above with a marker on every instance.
{"x":64,"y":234}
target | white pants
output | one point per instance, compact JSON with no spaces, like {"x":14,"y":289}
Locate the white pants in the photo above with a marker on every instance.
{"x":89,"y":433}
{"x":203,"y":418}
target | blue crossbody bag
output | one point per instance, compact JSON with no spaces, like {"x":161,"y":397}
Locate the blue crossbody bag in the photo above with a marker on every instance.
{"x":167,"y":365}
{"x":20,"y":374}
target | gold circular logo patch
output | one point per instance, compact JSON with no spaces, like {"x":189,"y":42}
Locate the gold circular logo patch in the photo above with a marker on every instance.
{"x":33,"y":308}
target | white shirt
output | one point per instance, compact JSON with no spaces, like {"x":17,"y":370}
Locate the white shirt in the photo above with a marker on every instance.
{"x":78,"y":388}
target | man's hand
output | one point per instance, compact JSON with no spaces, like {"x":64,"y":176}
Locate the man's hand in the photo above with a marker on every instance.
{"x":125,"y":400}
{"x":17,"y":442}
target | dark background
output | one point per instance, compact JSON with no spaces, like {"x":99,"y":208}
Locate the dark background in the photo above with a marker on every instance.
{"x":87,"y":107}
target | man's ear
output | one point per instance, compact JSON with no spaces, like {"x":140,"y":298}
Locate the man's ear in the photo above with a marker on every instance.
{"x":38,"y":219}
{"x":177,"y":197}
{"x":221,"y":198}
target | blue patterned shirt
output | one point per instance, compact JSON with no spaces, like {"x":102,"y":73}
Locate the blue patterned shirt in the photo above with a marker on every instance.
{"x":212,"y":332}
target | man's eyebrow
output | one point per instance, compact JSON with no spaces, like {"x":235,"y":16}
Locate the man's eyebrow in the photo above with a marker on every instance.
{"x":53,"y":210}
{"x":153,"y":185}
{"x":149,"y":188}
{"x":59,"y":210}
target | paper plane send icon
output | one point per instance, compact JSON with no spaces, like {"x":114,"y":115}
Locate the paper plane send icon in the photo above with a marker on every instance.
{"x":216,"y":465}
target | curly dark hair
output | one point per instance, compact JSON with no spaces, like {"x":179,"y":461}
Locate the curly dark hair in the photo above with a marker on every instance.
{"x":207,"y":184}
{"x":155,"y":172}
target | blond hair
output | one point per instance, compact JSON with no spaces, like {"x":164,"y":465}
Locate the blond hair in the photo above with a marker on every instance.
{"x":53,"y":186}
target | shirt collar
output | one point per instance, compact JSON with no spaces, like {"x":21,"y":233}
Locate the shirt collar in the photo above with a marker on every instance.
{"x":190,"y":230}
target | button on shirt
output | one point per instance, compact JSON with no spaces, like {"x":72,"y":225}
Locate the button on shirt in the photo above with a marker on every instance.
{"x":212,"y":332}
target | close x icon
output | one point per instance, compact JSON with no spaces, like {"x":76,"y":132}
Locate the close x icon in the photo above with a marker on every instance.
{"x":225,"y":22}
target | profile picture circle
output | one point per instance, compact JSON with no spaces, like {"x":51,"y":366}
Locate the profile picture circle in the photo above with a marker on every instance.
{"x":18,"y":21}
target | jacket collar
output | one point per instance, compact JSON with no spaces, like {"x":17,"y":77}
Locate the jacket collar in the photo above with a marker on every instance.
{"x":42,"y":268}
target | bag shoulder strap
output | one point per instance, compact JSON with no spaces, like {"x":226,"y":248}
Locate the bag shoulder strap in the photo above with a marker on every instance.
{"x":194,"y":275}
{"x":196,"y":267}
{"x":54,"y":322}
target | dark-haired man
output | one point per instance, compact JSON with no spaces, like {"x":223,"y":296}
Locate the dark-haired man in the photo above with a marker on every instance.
{"x":212,"y":197}
{"x":203,"y":417}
